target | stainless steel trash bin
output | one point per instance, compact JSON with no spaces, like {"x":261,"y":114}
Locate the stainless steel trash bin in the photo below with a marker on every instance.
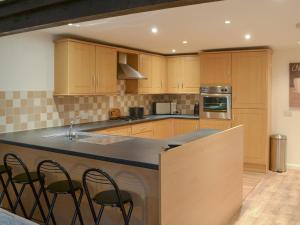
{"x":278,"y":153}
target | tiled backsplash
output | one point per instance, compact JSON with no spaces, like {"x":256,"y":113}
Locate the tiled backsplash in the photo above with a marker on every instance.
{"x":25,"y":110}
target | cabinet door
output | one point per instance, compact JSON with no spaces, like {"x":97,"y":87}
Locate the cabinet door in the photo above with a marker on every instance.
{"x":249,"y":79}
{"x":183,"y":126}
{"x":106,"y":70}
{"x":215,"y":124}
{"x":174,"y":74}
{"x":191,"y":74}
{"x":256,"y":137}
{"x":145,"y":68}
{"x":215,"y":68}
{"x":146,"y":134}
{"x":163,"y":129}
{"x":159,"y":74}
{"x":120,"y":131}
{"x":81,"y":65}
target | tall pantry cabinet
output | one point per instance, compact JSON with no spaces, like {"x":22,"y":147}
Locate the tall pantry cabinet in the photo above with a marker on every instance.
{"x":249,"y":73}
{"x":251,"y":86}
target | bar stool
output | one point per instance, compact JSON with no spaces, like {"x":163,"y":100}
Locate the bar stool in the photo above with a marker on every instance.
{"x":64,"y":186}
{"x":4,"y":184}
{"x":26,"y":178}
{"x":113,"y":196}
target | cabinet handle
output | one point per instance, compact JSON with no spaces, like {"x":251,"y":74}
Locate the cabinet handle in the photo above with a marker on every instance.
{"x":182,"y":84}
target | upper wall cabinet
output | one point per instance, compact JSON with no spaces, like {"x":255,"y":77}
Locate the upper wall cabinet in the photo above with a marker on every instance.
{"x":215,"y":68}
{"x":84,"y":69}
{"x":250,"y":79}
{"x":183,"y":74}
{"x":106,"y":70}
{"x":153,"y":67}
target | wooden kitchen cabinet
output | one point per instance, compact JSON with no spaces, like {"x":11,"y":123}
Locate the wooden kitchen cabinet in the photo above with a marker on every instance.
{"x":120,"y":131}
{"x":182,"y":126}
{"x":83,"y":68}
{"x":174,"y":74}
{"x":145,"y":68}
{"x":143,"y":130}
{"x":215,"y":124}
{"x":74,"y":68}
{"x":255,"y":137}
{"x":163,"y":129}
{"x":183,"y":74}
{"x":250,"y":79}
{"x":106,"y":70}
{"x":191,"y":74}
{"x":154,"y":68}
{"x":159,"y":74}
{"x":215,"y":68}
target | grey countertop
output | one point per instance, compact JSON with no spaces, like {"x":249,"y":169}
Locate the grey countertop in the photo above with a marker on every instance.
{"x":134,"y":151}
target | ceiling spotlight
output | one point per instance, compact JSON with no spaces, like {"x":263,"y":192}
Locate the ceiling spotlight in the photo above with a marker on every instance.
{"x":173,"y":50}
{"x":154,"y":30}
{"x":247,"y":36}
{"x":227,"y":22}
{"x":184,"y":42}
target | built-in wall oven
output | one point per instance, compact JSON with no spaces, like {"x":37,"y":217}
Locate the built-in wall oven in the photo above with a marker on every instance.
{"x":215,"y":102}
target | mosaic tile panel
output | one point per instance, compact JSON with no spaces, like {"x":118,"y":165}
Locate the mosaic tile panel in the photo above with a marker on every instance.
{"x":25,"y":110}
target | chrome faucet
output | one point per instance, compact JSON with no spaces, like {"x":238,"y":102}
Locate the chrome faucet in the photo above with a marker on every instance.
{"x":71,"y":133}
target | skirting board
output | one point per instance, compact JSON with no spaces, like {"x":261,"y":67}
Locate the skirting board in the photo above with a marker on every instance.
{"x":293,"y":166}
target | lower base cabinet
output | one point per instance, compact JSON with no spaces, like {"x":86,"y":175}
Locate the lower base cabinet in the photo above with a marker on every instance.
{"x":215,"y":124}
{"x":161,"y":129}
{"x":182,"y":126}
{"x":256,"y":137}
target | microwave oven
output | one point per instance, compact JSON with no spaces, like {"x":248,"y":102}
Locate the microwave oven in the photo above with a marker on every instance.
{"x":164,"y":108}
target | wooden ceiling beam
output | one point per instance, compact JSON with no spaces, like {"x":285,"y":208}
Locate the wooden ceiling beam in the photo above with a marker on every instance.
{"x":28,"y":15}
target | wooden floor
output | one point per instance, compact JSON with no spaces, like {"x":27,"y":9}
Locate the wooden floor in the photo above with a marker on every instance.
{"x":275,"y":200}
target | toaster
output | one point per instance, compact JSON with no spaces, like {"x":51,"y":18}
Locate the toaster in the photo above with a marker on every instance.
{"x":164,"y":108}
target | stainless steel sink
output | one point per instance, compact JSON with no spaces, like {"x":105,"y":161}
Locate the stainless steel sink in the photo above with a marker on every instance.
{"x":92,"y":138}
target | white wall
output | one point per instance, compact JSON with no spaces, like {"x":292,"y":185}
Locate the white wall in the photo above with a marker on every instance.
{"x":284,"y":119}
{"x":26,"y":62}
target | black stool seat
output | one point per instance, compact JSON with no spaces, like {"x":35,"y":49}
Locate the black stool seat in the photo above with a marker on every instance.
{"x":3,"y":169}
{"x":63,"y":187}
{"x":23,"y":178}
{"x":110,"y":197}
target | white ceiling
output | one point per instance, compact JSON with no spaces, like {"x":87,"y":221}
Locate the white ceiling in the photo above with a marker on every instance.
{"x":270,"y":22}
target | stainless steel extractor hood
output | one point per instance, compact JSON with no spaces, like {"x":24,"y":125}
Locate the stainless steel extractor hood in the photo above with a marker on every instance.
{"x":126,"y":72}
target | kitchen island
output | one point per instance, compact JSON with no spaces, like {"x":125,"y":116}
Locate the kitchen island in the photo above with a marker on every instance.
{"x":184,"y":185}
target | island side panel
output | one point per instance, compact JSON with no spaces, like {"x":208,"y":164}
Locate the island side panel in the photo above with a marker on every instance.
{"x":201,"y":181}
{"x":142,"y":183}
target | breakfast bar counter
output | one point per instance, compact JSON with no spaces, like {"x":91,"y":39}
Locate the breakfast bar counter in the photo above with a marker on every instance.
{"x":155,"y":175}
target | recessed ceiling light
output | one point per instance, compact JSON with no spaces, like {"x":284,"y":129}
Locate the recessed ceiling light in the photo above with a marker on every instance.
{"x":247,"y":36}
{"x":154,"y":30}
{"x":184,"y":42}
{"x":173,"y":50}
{"x":70,"y":24}
{"x":227,"y":22}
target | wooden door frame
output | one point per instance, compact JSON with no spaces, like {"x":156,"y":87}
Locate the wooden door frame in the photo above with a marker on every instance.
{"x":28,"y":15}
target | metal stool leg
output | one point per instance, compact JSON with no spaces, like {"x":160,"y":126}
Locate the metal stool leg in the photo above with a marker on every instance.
{"x":77,"y":208}
{"x":48,"y":205}
{"x":19,"y":201}
{"x":37,"y":200}
{"x":51,"y":207}
{"x":5,"y":192}
{"x":100,"y":215}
